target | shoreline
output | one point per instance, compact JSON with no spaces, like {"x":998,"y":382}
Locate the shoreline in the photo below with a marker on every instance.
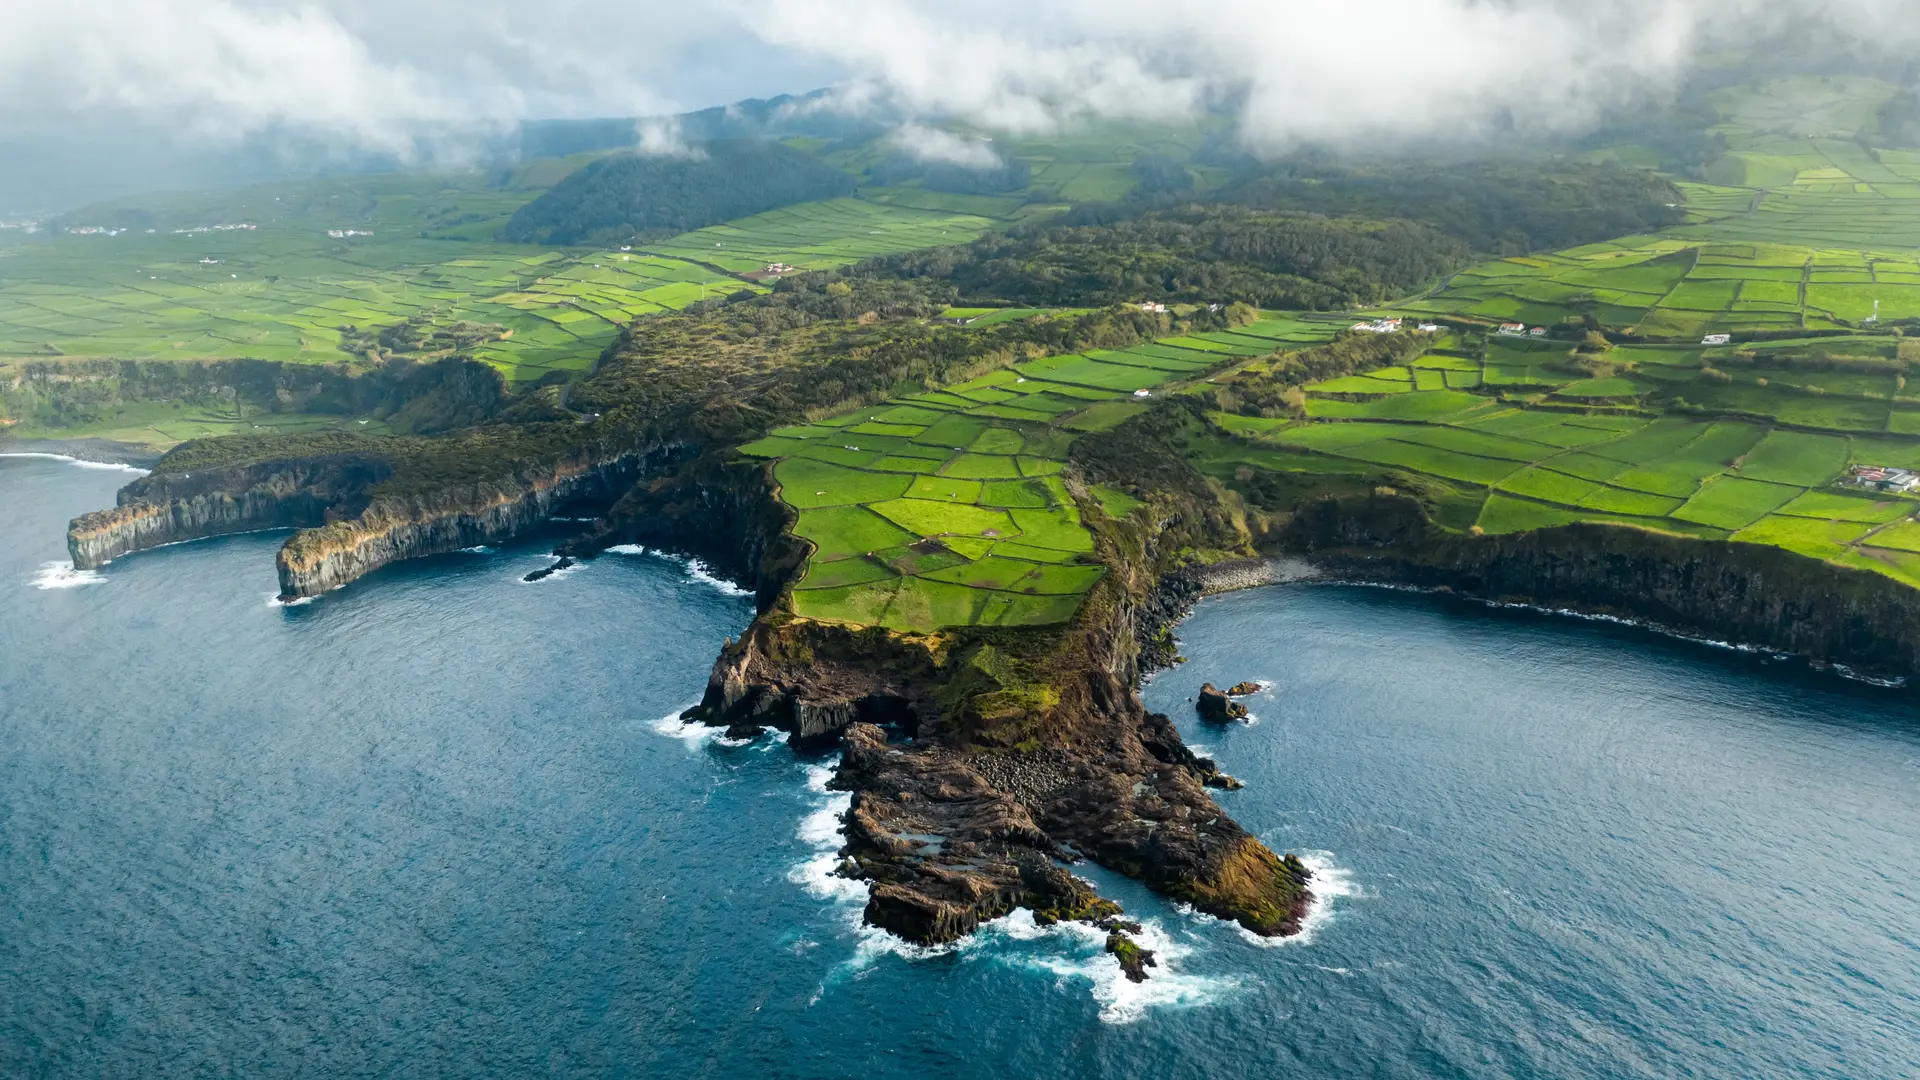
{"x":97,"y":451}
{"x":1245,"y":576}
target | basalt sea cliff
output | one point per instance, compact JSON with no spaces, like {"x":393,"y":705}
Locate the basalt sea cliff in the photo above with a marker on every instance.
{"x":352,"y":517}
{"x":1748,"y":594}
{"x":982,"y":761}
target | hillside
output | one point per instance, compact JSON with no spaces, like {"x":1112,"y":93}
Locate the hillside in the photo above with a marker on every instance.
{"x":1195,"y":255}
{"x":619,"y":198}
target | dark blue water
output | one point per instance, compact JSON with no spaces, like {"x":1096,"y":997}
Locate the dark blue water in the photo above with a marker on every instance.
{"x":433,"y":825}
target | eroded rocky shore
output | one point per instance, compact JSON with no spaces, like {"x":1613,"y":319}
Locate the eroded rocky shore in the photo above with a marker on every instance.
{"x":984,"y":763}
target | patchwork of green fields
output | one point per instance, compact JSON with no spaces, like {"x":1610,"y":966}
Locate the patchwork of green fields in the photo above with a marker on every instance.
{"x":822,"y":235}
{"x":283,"y":290}
{"x":1671,"y":288}
{"x":1795,"y":232}
{"x":947,"y":509}
{"x":1530,"y":461}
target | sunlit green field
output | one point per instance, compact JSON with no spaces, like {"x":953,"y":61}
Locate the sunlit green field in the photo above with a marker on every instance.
{"x":1672,"y":287}
{"x":1524,"y":443}
{"x":163,"y":424}
{"x":947,"y":508}
{"x":284,"y":289}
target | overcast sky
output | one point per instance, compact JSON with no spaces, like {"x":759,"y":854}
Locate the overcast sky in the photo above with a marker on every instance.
{"x":369,"y":73}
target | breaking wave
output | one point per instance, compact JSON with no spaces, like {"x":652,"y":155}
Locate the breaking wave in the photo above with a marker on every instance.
{"x":1073,"y":953}
{"x":697,"y":571}
{"x":62,"y":575}
{"x":108,"y":466}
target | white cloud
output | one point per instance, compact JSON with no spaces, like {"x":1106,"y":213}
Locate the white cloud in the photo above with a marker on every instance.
{"x":663,"y":138}
{"x":374,"y":72}
{"x":1299,"y":69}
{"x":209,"y":68}
{"x":924,"y":143}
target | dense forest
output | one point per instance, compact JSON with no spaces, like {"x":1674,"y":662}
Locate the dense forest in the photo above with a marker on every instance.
{"x":1217,"y":254}
{"x":628,"y":196}
{"x":1494,"y":207}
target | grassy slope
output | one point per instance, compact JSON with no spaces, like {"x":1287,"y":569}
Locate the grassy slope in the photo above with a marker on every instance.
{"x":282,"y":290}
{"x":947,"y":508}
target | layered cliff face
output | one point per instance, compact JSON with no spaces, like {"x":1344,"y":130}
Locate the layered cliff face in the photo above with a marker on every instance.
{"x":395,"y":528}
{"x":351,"y":519}
{"x":169,"y":508}
{"x":1750,"y":594}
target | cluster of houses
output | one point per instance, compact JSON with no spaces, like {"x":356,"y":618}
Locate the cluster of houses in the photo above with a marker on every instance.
{"x":781,"y":268}
{"x":342,"y":234}
{"x":1392,"y":326}
{"x":1717,"y":339}
{"x":93,"y":230}
{"x":1519,"y":329}
{"x":1152,"y":308}
{"x":1882,"y":478}
{"x":213,"y":228}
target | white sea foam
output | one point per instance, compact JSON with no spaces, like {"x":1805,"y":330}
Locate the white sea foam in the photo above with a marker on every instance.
{"x":477,"y":549}
{"x":1891,"y":682}
{"x":274,"y":601}
{"x":699,"y":571}
{"x":62,"y":575}
{"x":1076,"y":953}
{"x":110,"y":466}
{"x":691,"y":732}
{"x":823,"y":831}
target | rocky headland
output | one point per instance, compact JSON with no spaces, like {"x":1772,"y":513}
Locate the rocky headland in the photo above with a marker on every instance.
{"x":984,"y":762}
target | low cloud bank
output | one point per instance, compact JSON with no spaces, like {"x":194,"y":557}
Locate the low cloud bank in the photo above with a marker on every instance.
{"x":375,"y":75}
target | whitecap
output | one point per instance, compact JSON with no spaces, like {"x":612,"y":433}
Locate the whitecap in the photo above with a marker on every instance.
{"x":821,"y":830}
{"x":1077,"y":954}
{"x":691,"y":732}
{"x":109,"y":466}
{"x":699,"y":571}
{"x":274,"y":601}
{"x":477,"y":549}
{"x":62,"y":575}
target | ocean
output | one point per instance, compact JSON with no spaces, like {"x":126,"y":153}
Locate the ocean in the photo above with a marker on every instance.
{"x":443,"y":823}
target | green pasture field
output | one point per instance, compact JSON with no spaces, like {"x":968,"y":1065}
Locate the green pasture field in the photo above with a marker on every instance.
{"x":164,"y":424}
{"x":1531,"y":464}
{"x":951,"y":511}
{"x":822,"y":235}
{"x":284,"y":289}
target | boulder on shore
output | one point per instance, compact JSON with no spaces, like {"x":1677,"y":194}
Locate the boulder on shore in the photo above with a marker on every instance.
{"x":1216,"y":707}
